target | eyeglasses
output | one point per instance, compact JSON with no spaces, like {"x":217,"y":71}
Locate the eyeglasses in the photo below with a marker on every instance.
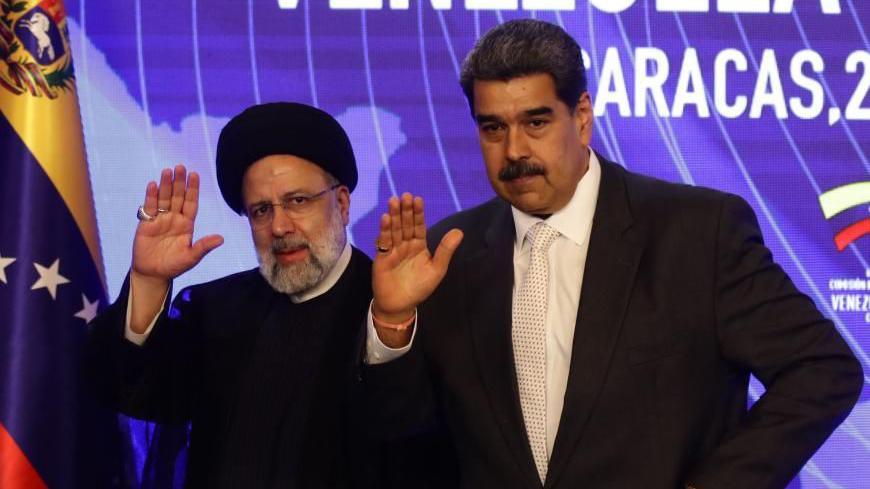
{"x":295,"y":206}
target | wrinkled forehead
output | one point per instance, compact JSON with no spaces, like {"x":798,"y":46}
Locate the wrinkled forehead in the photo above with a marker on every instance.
{"x":276,"y":175}
{"x":514,"y":97}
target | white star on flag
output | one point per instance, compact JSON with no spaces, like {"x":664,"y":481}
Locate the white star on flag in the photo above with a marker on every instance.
{"x":49,"y":278}
{"x":4,"y":262}
{"x":89,"y":309}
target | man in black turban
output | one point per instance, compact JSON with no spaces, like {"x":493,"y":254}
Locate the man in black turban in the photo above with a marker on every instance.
{"x":259,"y":362}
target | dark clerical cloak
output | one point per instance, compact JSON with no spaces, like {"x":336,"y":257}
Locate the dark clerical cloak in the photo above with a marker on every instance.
{"x":265,"y":383}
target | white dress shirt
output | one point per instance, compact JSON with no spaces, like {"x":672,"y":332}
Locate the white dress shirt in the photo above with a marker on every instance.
{"x":567,"y":260}
{"x":331,"y":278}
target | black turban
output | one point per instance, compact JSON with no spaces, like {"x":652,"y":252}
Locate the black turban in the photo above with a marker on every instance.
{"x":282,"y":128}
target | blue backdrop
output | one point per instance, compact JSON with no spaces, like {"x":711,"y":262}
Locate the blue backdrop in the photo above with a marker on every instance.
{"x":764,"y":98}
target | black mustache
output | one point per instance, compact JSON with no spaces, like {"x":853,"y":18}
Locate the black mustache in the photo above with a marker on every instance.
{"x":520,"y":169}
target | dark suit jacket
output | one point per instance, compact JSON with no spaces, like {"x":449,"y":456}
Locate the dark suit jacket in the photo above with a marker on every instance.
{"x":265,"y":383}
{"x":681,"y":301}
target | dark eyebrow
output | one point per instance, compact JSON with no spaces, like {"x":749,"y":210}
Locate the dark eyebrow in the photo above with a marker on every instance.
{"x":296,"y":192}
{"x":287,"y":196}
{"x":257,"y":204}
{"x":539,"y":111}
{"x":484,"y":118}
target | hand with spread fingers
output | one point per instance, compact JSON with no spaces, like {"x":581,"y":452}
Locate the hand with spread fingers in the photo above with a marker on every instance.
{"x":163,"y":247}
{"x":404,"y":272}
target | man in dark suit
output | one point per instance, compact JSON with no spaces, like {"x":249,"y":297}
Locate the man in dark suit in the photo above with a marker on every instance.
{"x":596,"y":328}
{"x":259,"y":362}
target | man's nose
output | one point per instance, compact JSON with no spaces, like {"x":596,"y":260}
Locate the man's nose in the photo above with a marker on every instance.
{"x":281,"y":223}
{"x":517,"y":144}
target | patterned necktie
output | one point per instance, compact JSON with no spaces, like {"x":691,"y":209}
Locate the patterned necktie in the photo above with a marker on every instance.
{"x":529,"y":341}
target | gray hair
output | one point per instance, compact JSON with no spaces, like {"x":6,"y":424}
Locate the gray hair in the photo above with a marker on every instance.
{"x":526,"y":47}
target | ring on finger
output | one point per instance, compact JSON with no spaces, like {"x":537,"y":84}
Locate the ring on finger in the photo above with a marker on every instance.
{"x":381,"y":249}
{"x":142,"y":215}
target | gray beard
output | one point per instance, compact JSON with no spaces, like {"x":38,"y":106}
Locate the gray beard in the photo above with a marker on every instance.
{"x":323,"y":253}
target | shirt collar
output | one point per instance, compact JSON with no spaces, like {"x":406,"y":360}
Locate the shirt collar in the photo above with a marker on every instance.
{"x":331,"y":278}
{"x":574,"y":221}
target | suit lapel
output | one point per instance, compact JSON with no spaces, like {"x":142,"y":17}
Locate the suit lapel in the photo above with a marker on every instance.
{"x":490,"y":280}
{"x":611,"y":263}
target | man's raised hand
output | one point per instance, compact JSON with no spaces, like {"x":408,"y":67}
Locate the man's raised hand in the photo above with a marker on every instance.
{"x":406,"y":273}
{"x":163,"y":247}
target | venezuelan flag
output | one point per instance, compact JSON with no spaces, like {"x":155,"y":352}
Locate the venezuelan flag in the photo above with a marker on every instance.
{"x":51,"y":273}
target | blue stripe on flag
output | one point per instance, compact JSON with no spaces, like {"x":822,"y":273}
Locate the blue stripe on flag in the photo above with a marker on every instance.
{"x":43,"y":403}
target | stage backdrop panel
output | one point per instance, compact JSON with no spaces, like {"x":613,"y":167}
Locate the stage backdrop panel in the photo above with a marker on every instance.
{"x":764,"y":98}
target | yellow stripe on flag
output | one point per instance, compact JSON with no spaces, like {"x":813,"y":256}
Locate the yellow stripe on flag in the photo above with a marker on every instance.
{"x":41,"y":104}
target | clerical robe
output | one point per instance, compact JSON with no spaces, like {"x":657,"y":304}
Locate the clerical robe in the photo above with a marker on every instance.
{"x":266,"y":384}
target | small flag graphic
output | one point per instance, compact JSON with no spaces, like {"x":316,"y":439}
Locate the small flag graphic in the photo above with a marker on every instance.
{"x":839,"y":199}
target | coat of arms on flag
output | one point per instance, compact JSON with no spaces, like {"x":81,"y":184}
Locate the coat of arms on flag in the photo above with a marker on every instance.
{"x":34,"y":48}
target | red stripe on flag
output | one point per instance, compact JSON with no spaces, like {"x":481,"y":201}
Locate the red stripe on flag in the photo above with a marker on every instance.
{"x":15,"y":470}
{"x":851,"y":233}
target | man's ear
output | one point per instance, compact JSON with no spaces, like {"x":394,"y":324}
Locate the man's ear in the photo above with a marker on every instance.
{"x":343,"y":196}
{"x":583,"y":117}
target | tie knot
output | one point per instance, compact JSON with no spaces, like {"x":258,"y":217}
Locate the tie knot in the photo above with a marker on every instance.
{"x":541,"y":236}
